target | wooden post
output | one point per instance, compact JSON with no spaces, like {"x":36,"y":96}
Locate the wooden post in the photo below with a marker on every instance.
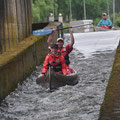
{"x":15,"y":22}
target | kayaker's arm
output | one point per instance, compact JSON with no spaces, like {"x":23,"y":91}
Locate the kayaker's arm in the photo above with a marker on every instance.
{"x":110,"y":23}
{"x":51,"y":37}
{"x":45,"y":65}
{"x":71,"y":37}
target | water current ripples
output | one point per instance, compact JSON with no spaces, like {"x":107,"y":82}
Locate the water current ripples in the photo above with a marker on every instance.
{"x":80,"y":102}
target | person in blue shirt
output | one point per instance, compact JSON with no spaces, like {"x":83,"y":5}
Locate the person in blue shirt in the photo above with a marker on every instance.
{"x":105,"y":22}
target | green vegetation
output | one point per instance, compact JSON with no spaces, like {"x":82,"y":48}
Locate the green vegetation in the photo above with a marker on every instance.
{"x":41,"y":10}
{"x":117,"y":21}
{"x":66,"y":25}
{"x":94,"y":9}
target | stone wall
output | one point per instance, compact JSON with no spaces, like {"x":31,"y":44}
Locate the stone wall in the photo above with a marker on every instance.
{"x":110,"y":109}
{"x":17,"y":63}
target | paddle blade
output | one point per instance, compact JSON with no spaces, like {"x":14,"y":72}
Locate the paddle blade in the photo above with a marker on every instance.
{"x":42,"y":32}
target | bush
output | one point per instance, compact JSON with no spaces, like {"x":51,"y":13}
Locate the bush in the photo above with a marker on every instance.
{"x":96,"y":21}
{"x":117,"y":21}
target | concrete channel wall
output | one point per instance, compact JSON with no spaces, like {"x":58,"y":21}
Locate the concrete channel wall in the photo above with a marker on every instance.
{"x":15,"y":22}
{"x":17,"y":63}
{"x":110,"y":109}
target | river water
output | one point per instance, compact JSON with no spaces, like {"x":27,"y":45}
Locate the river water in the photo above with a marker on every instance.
{"x":92,"y":57}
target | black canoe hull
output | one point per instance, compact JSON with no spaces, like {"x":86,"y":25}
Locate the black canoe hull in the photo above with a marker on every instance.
{"x":53,"y":80}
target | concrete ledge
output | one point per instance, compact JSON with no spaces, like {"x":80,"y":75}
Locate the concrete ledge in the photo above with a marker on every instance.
{"x":110,"y":109}
{"x":16,"y":64}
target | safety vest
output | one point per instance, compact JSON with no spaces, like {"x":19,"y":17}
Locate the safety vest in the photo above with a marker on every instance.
{"x":65,"y":52}
{"x":54,"y":61}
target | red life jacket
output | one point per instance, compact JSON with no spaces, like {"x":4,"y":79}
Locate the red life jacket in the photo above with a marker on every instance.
{"x":65,"y":52}
{"x":57,"y":62}
{"x":105,"y":27}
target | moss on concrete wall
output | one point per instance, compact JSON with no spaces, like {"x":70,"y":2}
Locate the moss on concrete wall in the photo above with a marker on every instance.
{"x":110,"y":109}
{"x":17,"y":63}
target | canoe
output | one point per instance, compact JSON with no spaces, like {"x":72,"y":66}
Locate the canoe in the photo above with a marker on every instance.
{"x":101,"y":29}
{"x":53,"y":80}
{"x":96,"y":29}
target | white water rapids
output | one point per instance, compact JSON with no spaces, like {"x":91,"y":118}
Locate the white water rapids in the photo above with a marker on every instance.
{"x":92,"y":58}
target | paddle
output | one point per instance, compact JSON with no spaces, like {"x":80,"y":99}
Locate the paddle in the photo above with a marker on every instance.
{"x":48,"y":31}
{"x":52,"y":88}
{"x":49,"y":77}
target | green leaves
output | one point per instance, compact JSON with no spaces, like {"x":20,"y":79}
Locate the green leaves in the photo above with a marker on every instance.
{"x":41,"y":10}
{"x":94,"y":9}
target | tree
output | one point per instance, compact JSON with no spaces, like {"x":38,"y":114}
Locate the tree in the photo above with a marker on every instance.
{"x":41,"y":10}
{"x":94,"y":9}
{"x":117,"y":4}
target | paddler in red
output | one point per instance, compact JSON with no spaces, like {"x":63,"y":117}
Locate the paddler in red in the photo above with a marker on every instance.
{"x":55,"y":60}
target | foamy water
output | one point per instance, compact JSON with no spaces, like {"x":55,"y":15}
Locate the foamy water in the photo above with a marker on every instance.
{"x":93,"y":61}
